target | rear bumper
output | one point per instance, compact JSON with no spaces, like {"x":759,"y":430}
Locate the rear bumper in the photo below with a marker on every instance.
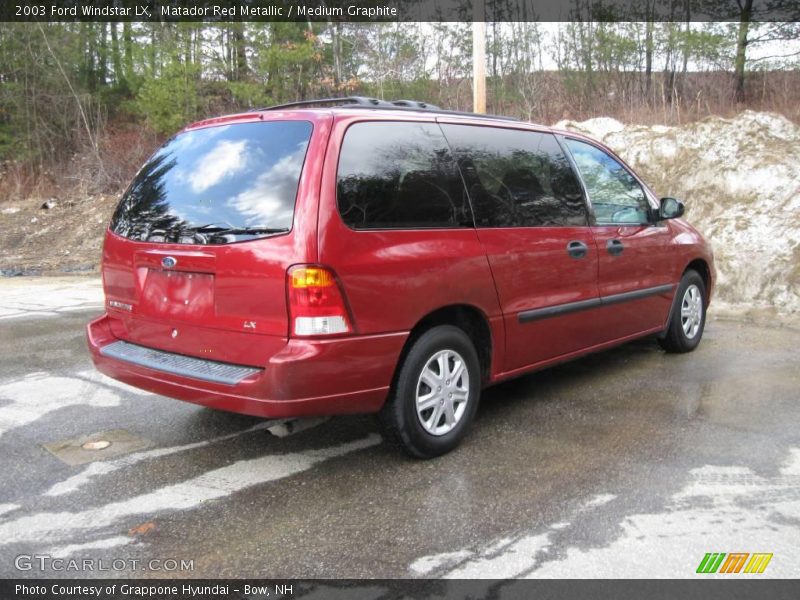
{"x":304,"y":378}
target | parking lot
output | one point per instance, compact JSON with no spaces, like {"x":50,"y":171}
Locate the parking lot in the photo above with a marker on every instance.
{"x":630,"y":463}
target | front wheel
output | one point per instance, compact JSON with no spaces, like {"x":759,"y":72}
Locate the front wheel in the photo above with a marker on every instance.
{"x":436,"y":394}
{"x":688,"y":317}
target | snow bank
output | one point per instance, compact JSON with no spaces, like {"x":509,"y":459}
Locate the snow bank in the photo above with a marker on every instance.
{"x":740,"y":181}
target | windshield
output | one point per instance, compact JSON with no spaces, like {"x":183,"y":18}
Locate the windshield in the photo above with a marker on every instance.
{"x":217,"y":185}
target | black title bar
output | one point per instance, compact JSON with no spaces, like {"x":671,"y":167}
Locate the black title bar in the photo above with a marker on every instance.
{"x":395,"y":10}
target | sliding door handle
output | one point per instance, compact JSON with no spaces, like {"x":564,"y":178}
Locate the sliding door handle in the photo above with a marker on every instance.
{"x":577,"y":249}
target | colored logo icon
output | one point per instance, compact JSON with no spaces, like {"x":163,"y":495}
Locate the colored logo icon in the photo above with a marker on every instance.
{"x":736,"y":562}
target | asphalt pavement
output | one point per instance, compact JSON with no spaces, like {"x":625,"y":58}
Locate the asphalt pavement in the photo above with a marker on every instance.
{"x":629,"y":463}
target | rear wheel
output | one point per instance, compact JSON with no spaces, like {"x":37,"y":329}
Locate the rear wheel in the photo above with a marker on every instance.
{"x":436,"y":394}
{"x":688,"y":318}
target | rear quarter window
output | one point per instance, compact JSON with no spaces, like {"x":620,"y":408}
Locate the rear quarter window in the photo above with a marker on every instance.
{"x":399,"y":175}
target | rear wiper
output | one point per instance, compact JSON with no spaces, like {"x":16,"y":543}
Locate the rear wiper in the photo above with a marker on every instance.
{"x":231,"y":229}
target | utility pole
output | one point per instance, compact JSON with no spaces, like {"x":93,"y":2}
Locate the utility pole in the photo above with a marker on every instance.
{"x":479,"y":56}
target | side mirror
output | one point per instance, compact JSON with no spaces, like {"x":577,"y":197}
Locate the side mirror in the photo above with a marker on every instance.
{"x":670,"y":208}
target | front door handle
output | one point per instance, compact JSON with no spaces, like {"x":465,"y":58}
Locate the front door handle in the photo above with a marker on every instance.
{"x":615,"y":247}
{"x":577,"y":249}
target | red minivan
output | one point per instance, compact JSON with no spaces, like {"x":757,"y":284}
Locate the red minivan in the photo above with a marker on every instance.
{"x":364,"y":256}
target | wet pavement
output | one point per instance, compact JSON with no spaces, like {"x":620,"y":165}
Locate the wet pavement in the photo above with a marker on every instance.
{"x":629,"y":463}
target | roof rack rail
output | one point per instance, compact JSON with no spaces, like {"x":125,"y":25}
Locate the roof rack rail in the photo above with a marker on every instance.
{"x":357,"y":100}
{"x":415,"y":104}
{"x":366,"y":102}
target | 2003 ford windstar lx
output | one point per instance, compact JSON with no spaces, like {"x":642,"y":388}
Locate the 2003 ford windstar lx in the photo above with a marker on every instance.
{"x":357,"y":256}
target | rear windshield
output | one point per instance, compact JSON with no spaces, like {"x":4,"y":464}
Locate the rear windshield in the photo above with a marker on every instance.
{"x":217,"y":185}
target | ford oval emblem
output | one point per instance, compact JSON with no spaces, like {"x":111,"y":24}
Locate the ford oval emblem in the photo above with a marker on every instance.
{"x":168,"y":262}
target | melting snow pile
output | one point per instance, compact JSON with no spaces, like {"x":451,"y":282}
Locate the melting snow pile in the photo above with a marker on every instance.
{"x":740,"y":181}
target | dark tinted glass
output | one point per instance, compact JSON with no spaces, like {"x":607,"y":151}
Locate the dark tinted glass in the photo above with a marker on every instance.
{"x":516,"y":178}
{"x":399,"y":175}
{"x":230,"y":177}
{"x":615,"y":194}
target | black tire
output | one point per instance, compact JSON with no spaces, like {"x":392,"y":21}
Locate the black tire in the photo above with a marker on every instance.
{"x":675,"y":338}
{"x":401,"y":423}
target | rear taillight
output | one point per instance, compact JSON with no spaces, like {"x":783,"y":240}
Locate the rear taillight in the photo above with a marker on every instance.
{"x":316,"y":302}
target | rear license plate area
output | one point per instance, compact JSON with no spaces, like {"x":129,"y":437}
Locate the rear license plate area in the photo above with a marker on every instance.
{"x":177,"y":294}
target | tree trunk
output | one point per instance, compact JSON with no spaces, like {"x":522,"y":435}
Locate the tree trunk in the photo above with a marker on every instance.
{"x":741,"y":50}
{"x":239,"y":49}
{"x":116,"y":58}
{"x":188,"y":46}
{"x":687,"y":29}
{"x":587,"y":42}
{"x":153,"y":45}
{"x":127,"y":44}
{"x":91,"y":57}
{"x":228,"y":45}
{"x":337,"y":52}
{"x":102,"y":55}
{"x":648,"y":57}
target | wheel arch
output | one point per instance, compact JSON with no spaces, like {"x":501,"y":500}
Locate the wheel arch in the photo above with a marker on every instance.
{"x":704,"y":270}
{"x":470,"y":319}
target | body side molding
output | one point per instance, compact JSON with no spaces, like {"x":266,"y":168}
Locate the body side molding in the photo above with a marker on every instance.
{"x":527,"y":316}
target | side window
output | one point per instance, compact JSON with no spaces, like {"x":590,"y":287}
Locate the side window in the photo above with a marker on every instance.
{"x":516,"y":178}
{"x":615,"y":194}
{"x":399,"y":175}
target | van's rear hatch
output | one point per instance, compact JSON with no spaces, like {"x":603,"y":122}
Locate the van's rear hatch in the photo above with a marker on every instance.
{"x":195,"y":258}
